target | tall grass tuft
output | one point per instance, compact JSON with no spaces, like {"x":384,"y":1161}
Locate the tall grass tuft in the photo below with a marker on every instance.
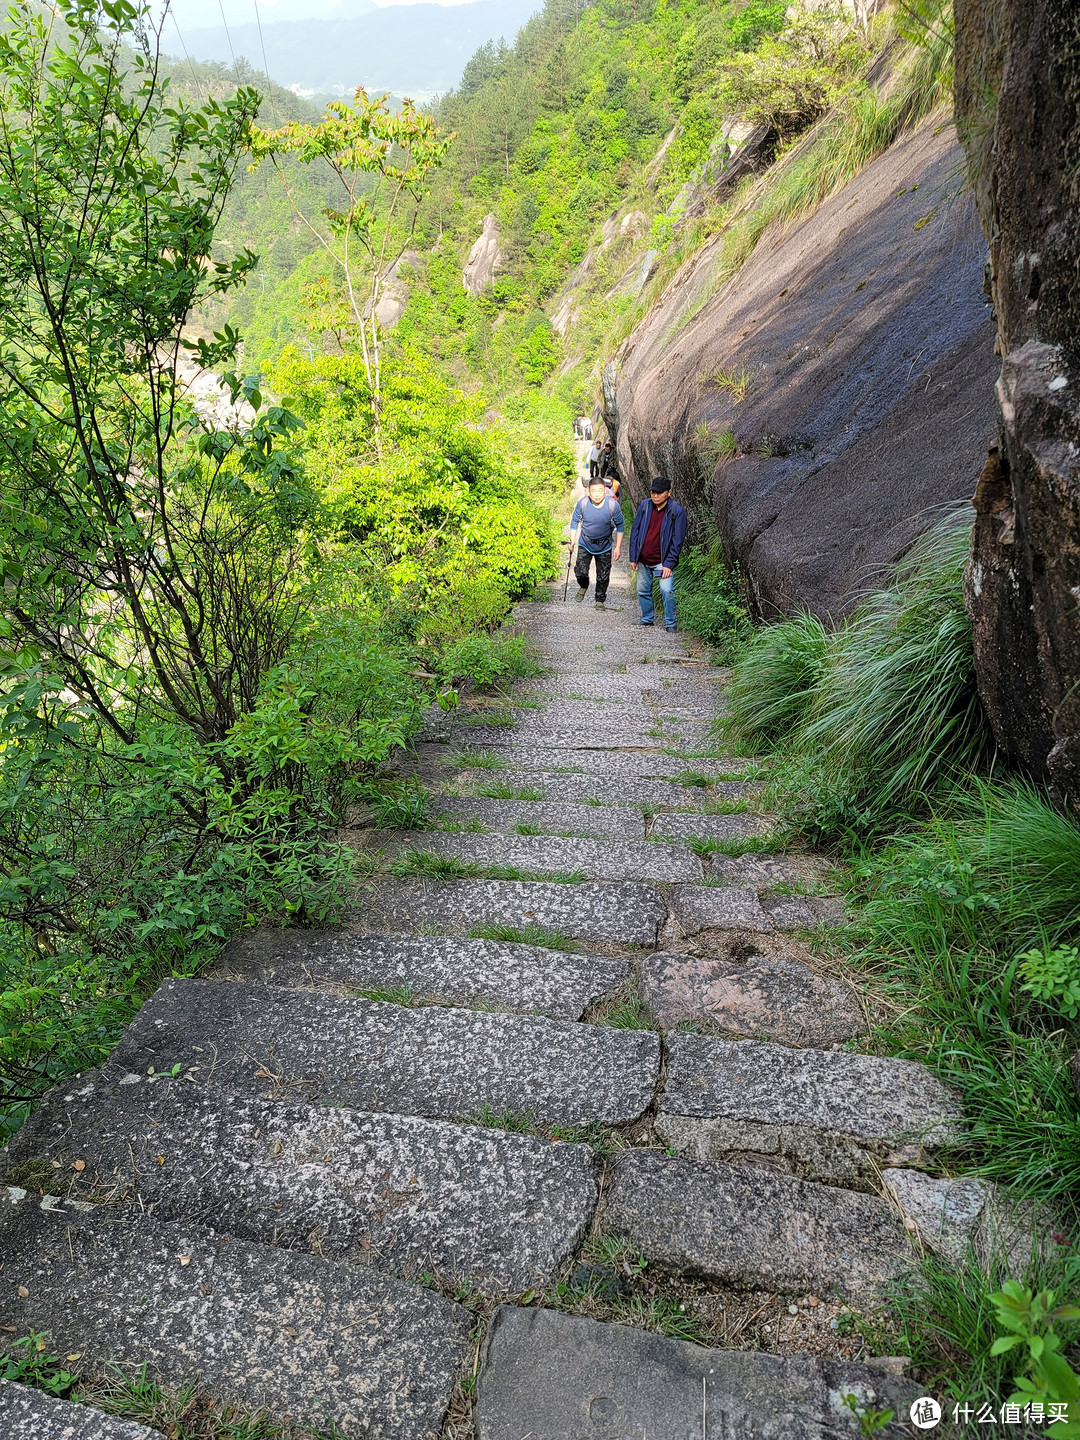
{"x":774,"y":682}
{"x":896,"y":711}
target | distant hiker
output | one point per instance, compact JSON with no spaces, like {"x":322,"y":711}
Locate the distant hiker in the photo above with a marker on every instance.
{"x":577,"y":427}
{"x":594,"y":459}
{"x":656,"y":537}
{"x":608,"y":469}
{"x":599,"y":518}
{"x":586,"y":426}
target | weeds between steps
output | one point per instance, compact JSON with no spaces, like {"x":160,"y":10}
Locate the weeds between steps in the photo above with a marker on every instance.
{"x":965,"y":896}
{"x":182,"y":1414}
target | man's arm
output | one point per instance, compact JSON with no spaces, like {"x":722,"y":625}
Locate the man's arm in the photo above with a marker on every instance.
{"x":620,"y":530}
{"x":678,"y":535}
{"x":633,"y":528}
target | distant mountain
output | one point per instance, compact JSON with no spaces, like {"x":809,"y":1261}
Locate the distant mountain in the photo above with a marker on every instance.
{"x":417,"y":50}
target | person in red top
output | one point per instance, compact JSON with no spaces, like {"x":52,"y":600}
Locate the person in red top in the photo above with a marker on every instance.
{"x":656,"y":538}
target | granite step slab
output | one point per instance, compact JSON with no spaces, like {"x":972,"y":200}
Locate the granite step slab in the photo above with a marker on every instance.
{"x":754,"y":1228}
{"x":29,"y":1414}
{"x":257,"y":1327}
{"x":548,"y":1376}
{"x":778,"y":1000}
{"x":695,"y":908}
{"x":542,"y":855}
{"x":618,"y":793}
{"x":497,"y":974}
{"x":627,"y":688}
{"x":478,"y":1206}
{"x":600,"y":822}
{"x":646,"y":763}
{"x":641,"y":731}
{"x":675,"y":826}
{"x":266,"y":1042}
{"x":610,"y":912}
{"x":822,"y":1114}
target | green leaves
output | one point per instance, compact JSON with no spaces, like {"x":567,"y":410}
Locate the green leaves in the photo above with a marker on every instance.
{"x":1032,"y":1320}
{"x":1052,"y":975}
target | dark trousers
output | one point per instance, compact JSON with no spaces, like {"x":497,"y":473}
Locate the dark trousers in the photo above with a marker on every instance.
{"x":603,"y":572}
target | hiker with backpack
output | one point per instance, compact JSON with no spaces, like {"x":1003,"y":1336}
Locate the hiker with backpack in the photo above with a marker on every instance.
{"x":656,"y":538}
{"x":596,"y":523}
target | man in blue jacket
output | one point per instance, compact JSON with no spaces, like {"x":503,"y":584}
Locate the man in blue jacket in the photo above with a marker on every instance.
{"x":597,"y":521}
{"x":656,"y":538}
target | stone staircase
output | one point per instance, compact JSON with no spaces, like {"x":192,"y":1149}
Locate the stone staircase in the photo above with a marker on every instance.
{"x":360,"y":1178}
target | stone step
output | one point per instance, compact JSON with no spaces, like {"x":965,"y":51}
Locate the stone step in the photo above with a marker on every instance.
{"x":540,"y":732}
{"x":754,"y":1228}
{"x":674,"y":826}
{"x":823,"y":1114}
{"x":714,"y":907}
{"x":476,"y":1206}
{"x":299,"y":1045}
{"x":616,"y":913}
{"x":551,"y":1375}
{"x":621,"y":792}
{"x":29,"y":1414}
{"x":650,"y":763}
{"x":543,"y":855}
{"x":602,"y":822}
{"x":657,"y":682}
{"x":758,"y":998}
{"x":260,"y":1328}
{"x":483,"y":973}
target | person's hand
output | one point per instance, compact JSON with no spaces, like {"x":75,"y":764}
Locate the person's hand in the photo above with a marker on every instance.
{"x":618,"y":552}
{"x":665,"y":572}
{"x":633,"y":566}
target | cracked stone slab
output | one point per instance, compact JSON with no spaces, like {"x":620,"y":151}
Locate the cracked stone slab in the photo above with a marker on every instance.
{"x":548,"y":1376}
{"x":601,"y":822}
{"x":708,"y":827}
{"x":549,"y":734}
{"x":495,"y":973}
{"x":542,"y":855}
{"x":483,"y":1206}
{"x":964,"y":1218}
{"x":772,"y":999}
{"x":260,"y":1328}
{"x":754,"y":1228}
{"x":869,"y":1097}
{"x":267,"y":1042}
{"x":647,"y":763}
{"x":715,"y":907}
{"x":756,"y":872}
{"x":612,"y":912}
{"x":29,"y":1414}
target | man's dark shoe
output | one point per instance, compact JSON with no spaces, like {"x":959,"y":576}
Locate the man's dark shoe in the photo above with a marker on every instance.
{"x":646,"y":624}
{"x":671,"y":629}
{"x":600,"y":605}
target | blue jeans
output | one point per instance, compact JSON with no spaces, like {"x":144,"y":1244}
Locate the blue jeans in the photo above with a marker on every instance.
{"x":645,"y":576}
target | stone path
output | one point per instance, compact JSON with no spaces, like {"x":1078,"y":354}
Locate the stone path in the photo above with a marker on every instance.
{"x":568,"y":1082}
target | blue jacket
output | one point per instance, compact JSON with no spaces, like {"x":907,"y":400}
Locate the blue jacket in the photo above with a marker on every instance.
{"x":672,"y":532}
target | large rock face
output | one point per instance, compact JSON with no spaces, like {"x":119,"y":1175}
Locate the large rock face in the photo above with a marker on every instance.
{"x":1018,"y":104}
{"x":485,"y":257}
{"x":867,"y":344}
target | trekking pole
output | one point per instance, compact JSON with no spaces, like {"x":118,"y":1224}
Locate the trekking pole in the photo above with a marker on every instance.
{"x":569,"y":562}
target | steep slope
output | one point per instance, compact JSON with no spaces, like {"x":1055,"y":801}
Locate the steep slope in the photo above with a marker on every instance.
{"x":866,"y":347}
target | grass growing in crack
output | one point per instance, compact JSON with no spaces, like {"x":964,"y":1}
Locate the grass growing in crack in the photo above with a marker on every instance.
{"x":183,"y":1414}
{"x":600,"y":1138}
{"x":692,"y":778}
{"x":500,"y":791}
{"x":627,"y":1012}
{"x":403,"y":995}
{"x":523,"y":1122}
{"x":430,"y":865}
{"x":538,"y":935}
{"x":624,"y":1294}
{"x":498,"y":718}
{"x":475,"y":760}
{"x":743,"y":845}
{"x":524,"y":829}
{"x":397,"y":805}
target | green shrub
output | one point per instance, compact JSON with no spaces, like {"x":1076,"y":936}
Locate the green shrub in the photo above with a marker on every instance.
{"x":1053,"y":976}
{"x":774,"y":681}
{"x":708,"y":598}
{"x":490,"y":660}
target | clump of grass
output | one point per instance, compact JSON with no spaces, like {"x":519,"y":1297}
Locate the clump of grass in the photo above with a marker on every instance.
{"x":538,"y":935}
{"x":490,"y":715}
{"x":731,"y":382}
{"x":476,"y":760}
{"x":430,"y":865}
{"x":692,"y":778}
{"x":743,"y":845}
{"x":626,"y":1013}
{"x":402,"y":995}
{"x":524,"y":829}
{"x":774,"y":681}
{"x":520,"y":1123}
{"x":501,"y":791}
{"x":399,"y":805}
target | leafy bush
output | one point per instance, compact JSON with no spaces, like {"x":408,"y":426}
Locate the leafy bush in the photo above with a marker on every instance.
{"x":708,"y":598}
{"x":1053,"y":976}
{"x":489,"y":660}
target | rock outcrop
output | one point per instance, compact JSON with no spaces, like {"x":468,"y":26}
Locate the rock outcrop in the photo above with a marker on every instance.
{"x":485,"y":257}
{"x":1018,"y":104}
{"x":825,"y":399}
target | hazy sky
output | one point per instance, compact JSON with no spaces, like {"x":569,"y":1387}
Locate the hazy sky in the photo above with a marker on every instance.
{"x":192,"y":14}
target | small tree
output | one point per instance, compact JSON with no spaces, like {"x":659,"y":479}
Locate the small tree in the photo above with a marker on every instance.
{"x":382,"y":160}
